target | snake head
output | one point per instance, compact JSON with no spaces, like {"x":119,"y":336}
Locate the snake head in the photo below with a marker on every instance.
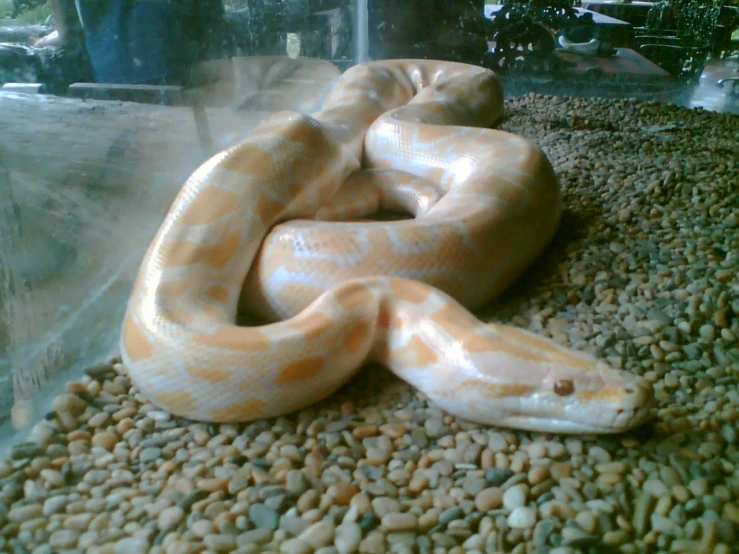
{"x":598,"y":400}
{"x":524,"y":381}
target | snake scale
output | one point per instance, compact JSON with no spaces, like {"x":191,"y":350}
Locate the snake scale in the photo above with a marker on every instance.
{"x":279,"y":225}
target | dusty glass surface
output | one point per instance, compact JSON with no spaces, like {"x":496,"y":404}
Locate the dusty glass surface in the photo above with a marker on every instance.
{"x":81,"y":203}
{"x":80,"y":206}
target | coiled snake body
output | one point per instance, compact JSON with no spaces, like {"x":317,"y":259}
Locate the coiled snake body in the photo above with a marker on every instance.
{"x":259,"y":225}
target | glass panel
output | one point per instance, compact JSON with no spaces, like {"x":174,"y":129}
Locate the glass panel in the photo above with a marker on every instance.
{"x":627,"y":108}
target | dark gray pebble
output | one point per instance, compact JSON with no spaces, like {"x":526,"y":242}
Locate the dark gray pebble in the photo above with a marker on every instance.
{"x":497,"y":477}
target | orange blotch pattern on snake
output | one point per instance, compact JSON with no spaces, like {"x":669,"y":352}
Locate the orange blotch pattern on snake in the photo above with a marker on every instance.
{"x":300,"y":370}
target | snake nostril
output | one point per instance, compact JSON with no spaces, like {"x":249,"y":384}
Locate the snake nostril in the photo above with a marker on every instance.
{"x":564,"y":387}
{"x":620,"y":411}
{"x":629,"y":390}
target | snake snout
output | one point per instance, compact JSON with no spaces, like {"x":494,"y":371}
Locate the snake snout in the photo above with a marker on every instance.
{"x":636,"y":403}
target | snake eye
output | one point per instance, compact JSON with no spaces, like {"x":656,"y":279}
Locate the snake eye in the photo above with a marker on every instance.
{"x":564,"y":387}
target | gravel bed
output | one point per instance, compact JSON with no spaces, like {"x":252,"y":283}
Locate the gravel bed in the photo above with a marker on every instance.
{"x":643,"y":272}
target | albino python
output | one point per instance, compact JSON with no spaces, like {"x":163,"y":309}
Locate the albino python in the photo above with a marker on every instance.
{"x":256,"y":228}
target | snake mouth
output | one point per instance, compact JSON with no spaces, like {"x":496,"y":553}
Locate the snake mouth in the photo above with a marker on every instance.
{"x":568,"y":427}
{"x":640,"y":414}
{"x":622,"y":421}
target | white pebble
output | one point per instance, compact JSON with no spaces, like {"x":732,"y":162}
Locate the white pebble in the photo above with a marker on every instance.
{"x":348,"y":536}
{"x":131,"y":545}
{"x":515,"y":497}
{"x":522,"y":518}
{"x":64,"y":538}
{"x":319,"y":534}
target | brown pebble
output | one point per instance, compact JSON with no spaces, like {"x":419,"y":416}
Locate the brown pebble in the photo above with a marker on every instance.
{"x":105,"y":440}
{"x":314,"y":461}
{"x":184,"y":485}
{"x":125,"y":425}
{"x":364,"y":431}
{"x":538,"y":474}
{"x":418,"y":483}
{"x":559,"y":470}
{"x":124,"y":413}
{"x":78,"y":435}
{"x":69,"y":403}
{"x":212,"y":485}
{"x":393,"y":430}
{"x":308,"y":500}
{"x":342,"y":493}
{"x":399,"y":522}
{"x":75,"y":387}
{"x":100,"y":419}
{"x":489,"y":499}
{"x":168,"y":466}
